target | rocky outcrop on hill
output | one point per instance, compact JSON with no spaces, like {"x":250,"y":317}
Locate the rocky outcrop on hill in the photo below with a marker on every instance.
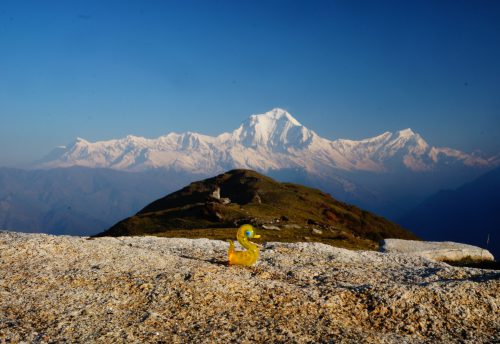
{"x":283,"y":212}
{"x":436,"y":250}
{"x":151,"y":290}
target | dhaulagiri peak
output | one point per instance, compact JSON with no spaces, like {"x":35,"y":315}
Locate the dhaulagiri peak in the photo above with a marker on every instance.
{"x":275,"y":115}
{"x":272,"y":129}
{"x":409,"y":135}
{"x":408,"y":132}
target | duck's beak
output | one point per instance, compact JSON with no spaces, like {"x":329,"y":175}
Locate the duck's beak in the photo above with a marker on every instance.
{"x":256,"y":236}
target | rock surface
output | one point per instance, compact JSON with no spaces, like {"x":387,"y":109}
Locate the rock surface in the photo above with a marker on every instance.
{"x":442,"y":251}
{"x":154,"y":290}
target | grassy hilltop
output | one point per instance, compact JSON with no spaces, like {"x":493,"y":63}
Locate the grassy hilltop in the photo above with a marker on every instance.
{"x":214,"y":207}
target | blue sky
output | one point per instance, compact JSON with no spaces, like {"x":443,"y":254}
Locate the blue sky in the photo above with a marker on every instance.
{"x":351,"y":69}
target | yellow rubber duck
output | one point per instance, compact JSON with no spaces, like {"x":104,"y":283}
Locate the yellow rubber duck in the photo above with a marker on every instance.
{"x":248,"y":257}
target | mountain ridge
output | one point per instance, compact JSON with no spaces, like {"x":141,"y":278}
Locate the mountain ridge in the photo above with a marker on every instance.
{"x":270,"y":141}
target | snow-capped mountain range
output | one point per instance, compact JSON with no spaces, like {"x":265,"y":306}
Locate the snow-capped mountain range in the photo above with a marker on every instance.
{"x":271,"y":141}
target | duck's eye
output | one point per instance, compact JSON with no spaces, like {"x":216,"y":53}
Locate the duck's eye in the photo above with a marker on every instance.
{"x":248,"y":233}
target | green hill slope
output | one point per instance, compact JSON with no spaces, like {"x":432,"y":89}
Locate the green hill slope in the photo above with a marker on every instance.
{"x":214,"y":207}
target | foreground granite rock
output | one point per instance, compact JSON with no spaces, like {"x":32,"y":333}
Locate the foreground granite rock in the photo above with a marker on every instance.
{"x":436,"y":250}
{"x":148,"y":289}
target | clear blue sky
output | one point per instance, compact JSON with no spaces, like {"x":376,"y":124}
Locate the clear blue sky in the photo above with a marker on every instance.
{"x":352,"y":69}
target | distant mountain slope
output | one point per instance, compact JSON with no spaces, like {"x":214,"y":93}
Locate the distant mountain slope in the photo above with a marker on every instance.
{"x":271,"y":141}
{"x":79,"y":201}
{"x":281,"y":211}
{"x":468,"y":214}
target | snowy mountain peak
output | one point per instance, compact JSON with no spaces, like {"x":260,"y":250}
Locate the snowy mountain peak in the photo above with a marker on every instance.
{"x":406,"y":133}
{"x":133,"y":138}
{"x":278,"y":114}
{"x":79,"y":142}
{"x":275,"y":129}
{"x":270,"y":141}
